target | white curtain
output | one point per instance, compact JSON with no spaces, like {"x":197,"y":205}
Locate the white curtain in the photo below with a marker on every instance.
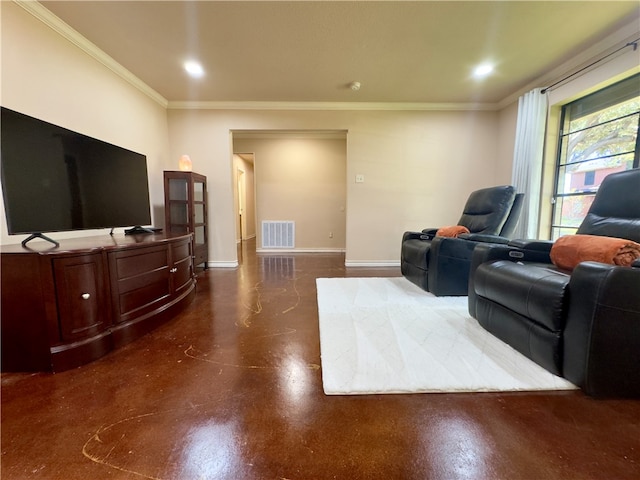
{"x":527,"y":159}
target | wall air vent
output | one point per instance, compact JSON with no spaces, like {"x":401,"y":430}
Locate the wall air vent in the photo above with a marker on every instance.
{"x":278,"y":234}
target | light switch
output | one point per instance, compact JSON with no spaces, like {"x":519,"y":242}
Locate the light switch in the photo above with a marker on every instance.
{"x":359,"y":178}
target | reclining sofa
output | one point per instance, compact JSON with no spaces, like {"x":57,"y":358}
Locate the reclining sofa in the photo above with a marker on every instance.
{"x":582,"y":324}
{"x":440,"y":265}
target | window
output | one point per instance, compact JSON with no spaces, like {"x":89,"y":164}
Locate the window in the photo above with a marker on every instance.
{"x":598,"y":136}
{"x":590,"y":177}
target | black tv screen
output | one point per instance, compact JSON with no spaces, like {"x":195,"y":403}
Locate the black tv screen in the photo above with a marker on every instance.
{"x":54,"y":179}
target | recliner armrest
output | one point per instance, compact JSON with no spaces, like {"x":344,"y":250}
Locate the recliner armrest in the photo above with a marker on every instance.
{"x":413,"y":236}
{"x":525,"y":250}
{"x":530,"y":250}
{"x":484,"y":252}
{"x":481,"y":237}
{"x":429,"y":233}
{"x":532,"y":244}
{"x":602,"y":332}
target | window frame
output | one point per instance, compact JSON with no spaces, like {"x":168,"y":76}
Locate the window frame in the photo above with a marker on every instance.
{"x":556,"y":228}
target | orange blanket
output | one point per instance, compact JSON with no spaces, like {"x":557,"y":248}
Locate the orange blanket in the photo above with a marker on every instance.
{"x":452,"y":231}
{"x":568,"y":251}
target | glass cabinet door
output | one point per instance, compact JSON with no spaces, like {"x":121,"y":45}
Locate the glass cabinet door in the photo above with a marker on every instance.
{"x":200,"y":235}
{"x":199,"y":213}
{"x":178,"y":189}
{"x":178,"y":205}
{"x":198,"y":191}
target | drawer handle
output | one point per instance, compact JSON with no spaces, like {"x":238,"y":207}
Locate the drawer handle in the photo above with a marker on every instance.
{"x":173,"y":270}
{"x":86,"y":296}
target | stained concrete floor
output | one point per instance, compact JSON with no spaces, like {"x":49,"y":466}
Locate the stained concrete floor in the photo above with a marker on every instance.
{"x":232,"y":389}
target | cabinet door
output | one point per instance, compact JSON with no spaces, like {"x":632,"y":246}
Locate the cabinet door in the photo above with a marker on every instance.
{"x":178,"y":214}
{"x":182,"y":270}
{"x":81,"y":292}
{"x":200,"y":221}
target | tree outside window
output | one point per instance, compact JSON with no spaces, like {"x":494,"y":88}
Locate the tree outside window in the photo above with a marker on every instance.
{"x":598,"y":136}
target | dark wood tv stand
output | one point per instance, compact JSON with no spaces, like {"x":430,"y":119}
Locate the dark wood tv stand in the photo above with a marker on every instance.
{"x":65,"y":306}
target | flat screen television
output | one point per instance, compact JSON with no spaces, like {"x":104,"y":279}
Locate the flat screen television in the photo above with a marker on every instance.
{"x":54,"y":179}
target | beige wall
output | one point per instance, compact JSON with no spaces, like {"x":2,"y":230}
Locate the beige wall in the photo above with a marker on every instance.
{"x":301,"y":178}
{"x":419,"y":168}
{"x":45,"y":76}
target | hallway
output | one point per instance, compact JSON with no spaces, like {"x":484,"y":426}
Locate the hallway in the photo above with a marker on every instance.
{"x":232,"y":389}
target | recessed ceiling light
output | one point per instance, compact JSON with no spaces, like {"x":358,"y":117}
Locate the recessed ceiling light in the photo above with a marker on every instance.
{"x":483,"y":70}
{"x":194,"y":69}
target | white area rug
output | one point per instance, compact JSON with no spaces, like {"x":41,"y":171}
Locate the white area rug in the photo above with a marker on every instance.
{"x":385,"y":335}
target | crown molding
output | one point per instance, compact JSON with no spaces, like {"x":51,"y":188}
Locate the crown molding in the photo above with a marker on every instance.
{"x":56,"y":24}
{"x":279,"y":134}
{"x":355,"y":106}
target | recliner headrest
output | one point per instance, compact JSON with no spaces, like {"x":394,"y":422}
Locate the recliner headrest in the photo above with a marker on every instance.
{"x":615,"y":211}
{"x":487,"y":209}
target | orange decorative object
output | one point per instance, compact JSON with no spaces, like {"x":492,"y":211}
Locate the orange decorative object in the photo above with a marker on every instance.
{"x":452,"y":231}
{"x":568,"y":251}
{"x":184,"y":164}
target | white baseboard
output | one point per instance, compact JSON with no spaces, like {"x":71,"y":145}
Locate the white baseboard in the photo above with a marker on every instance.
{"x":300,"y":250}
{"x":347,"y":263}
{"x":371,"y":263}
{"x":232,"y":264}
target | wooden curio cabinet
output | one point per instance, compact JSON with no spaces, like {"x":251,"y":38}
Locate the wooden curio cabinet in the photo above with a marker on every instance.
{"x":185,"y":209}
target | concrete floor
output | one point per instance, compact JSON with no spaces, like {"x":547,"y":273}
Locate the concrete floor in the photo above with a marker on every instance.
{"x":232,"y":389}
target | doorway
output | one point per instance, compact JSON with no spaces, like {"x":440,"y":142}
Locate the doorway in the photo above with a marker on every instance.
{"x":244,"y":199}
{"x":299,"y":184}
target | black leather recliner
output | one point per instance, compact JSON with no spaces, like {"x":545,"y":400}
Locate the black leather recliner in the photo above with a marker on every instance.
{"x":440,"y":265}
{"x":582,"y":324}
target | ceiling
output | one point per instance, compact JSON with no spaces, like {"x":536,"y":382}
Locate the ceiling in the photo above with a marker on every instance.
{"x":310,"y":51}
